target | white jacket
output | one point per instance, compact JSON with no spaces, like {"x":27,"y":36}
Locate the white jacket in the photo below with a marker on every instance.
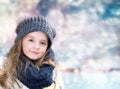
{"x":57,"y":78}
{"x":16,"y":86}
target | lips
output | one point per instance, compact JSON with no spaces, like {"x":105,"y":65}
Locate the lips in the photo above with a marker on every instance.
{"x":34,"y":52}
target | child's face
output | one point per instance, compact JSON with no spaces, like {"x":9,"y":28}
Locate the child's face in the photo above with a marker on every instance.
{"x":34,"y":45}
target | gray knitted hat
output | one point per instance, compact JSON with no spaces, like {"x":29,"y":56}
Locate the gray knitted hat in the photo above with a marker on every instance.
{"x":35,"y":24}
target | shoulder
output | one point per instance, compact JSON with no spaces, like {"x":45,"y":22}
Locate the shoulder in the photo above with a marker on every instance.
{"x":57,"y":78}
{"x":16,"y":85}
{"x":19,"y":85}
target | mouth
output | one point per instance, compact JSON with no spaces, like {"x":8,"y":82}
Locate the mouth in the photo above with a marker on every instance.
{"x":34,"y":52}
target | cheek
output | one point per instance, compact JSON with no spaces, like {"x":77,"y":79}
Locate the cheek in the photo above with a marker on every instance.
{"x":44,"y":49}
{"x":25,"y":47}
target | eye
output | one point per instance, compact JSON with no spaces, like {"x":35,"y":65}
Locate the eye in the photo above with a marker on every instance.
{"x":43,"y":43}
{"x":31,"y":40}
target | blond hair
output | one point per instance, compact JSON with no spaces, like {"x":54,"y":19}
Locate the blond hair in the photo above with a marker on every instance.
{"x":12,"y":64}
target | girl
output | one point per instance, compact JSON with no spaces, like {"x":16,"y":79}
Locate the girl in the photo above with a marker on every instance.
{"x":30,"y":62}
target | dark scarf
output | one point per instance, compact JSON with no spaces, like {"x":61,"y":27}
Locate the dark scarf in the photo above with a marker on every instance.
{"x":33,"y":78}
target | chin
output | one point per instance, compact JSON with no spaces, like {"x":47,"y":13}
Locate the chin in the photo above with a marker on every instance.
{"x":33,"y":58}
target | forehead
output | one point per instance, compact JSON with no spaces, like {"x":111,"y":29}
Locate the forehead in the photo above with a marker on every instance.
{"x":37,"y":35}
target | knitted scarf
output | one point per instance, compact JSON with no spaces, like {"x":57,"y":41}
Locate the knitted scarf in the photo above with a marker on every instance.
{"x":33,"y":78}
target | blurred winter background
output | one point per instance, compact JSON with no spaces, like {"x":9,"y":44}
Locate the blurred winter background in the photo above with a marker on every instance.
{"x":87,"y":44}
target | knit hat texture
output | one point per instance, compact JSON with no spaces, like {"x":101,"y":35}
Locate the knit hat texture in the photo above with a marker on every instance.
{"x":32,"y":24}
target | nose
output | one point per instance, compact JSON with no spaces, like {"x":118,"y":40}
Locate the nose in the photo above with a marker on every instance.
{"x":37,"y":45}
